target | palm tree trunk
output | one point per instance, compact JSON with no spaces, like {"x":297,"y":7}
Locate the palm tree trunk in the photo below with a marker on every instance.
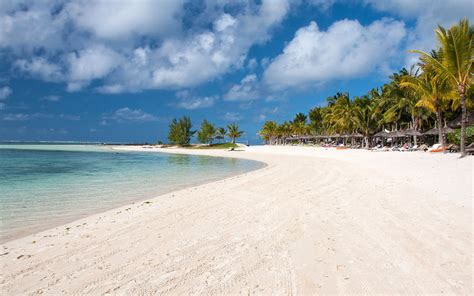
{"x":233,"y":140}
{"x":440,"y":126}
{"x":462,"y":95}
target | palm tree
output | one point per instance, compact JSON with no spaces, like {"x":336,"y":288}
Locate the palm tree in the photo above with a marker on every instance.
{"x":366,"y":122}
{"x":405,"y":109}
{"x":455,"y":66}
{"x":300,"y":117}
{"x":234,"y":132}
{"x":284,"y":131}
{"x":220,"y":133}
{"x":432,"y":92}
{"x":269,"y":131}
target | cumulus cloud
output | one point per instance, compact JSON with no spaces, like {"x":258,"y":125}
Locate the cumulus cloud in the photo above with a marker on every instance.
{"x":246,"y":90}
{"x":5,"y":92}
{"x":346,"y":49}
{"x":189,"y":102}
{"x":140,"y":45}
{"x":89,"y":64}
{"x":40,"y":67}
{"x":120,"y":20}
{"x":129,"y":115}
{"x":428,"y":15}
{"x":232,"y":116}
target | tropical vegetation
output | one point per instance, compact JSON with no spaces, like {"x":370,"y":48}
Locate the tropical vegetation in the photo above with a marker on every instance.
{"x":431,"y":93}
{"x":180,"y":133}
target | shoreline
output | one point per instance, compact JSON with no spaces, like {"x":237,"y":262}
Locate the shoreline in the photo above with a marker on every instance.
{"x":72,"y":218}
{"x":254,"y":231}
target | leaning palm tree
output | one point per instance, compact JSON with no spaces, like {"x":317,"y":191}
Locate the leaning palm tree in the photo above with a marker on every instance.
{"x":234,"y":132}
{"x":455,"y":66}
{"x":220,"y":133}
{"x":432,"y":93}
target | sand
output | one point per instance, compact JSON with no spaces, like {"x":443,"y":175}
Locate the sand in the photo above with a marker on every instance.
{"x":316,"y":221}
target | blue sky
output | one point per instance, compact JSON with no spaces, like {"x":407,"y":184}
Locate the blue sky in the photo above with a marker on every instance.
{"x":119,"y":71}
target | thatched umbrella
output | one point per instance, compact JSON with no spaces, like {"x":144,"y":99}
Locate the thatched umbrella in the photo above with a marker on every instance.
{"x":395,"y":134}
{"x":356,"y":135}
{"x":381,"y":134}
{"x":412,"y":133}
{"x":434,"y":131}
{"x":456,"y":123}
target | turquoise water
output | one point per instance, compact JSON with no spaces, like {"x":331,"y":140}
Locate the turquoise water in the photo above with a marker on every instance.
{"x":42,"y":186}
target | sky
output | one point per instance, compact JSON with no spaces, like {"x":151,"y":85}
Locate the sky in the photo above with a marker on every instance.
{"x":120,"y":71}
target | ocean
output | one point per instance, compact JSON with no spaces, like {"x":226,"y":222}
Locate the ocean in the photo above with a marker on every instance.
{"x":45,"y":185}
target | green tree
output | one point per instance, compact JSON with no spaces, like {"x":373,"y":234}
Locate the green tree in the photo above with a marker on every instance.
{"x":234,"y":132}
{"x":220,"y":133}
{"x":455,"y":65}
{"x":432,"y":91}
{"x":180,"y":132}
{"x":365,"y":118}
{"x":269,"y":132}
{"x":316,"y":119}
{"x":206,"y":133}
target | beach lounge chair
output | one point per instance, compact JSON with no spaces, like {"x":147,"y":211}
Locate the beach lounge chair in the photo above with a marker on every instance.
{"x":470,"y":149}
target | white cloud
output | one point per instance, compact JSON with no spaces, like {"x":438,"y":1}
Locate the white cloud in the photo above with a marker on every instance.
{"x":129,"y":46}
{"x":40,"y":67}
{"x":346,"y":50}
{"x":189,"y":102}
{"x":232,"y":116}
{"x":89,"y":64}
{"x":252,"y":64}
{"x":121,"y":20}
{"x":5,"y":92}
{"x":129,"y":115}
{"x":428,"y":14}
{"x":246,"y":90}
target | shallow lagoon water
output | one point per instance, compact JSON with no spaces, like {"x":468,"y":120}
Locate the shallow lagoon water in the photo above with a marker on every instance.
{"x":42,"y":186}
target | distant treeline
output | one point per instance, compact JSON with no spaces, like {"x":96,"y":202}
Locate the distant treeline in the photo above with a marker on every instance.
{"x":181,"y":132}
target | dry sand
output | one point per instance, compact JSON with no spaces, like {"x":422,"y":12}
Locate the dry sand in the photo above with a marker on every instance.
{"x":312,"y":221}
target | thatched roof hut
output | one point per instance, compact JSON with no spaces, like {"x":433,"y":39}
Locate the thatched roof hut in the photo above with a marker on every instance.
{"x":395,"y":134}
{"x":356,"y":135}
{"x":456,"y":123}
{"x":412,"y":133}
{"x":434,"y":131}
{"x":381,"y":134}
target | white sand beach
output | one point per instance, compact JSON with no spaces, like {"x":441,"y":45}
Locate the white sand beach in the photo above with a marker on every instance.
{"x":313,"y":221}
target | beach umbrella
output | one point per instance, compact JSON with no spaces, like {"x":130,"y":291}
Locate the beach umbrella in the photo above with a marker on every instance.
{"x":448,"y":130}
{"x":412,"y":133}
{"x":356,"y":135}
{"x":456,"y":123}
{"x":431,"y":132}
{"x":395,"y":134}
{"x":434,"y":131}
{"x":381,"y":134}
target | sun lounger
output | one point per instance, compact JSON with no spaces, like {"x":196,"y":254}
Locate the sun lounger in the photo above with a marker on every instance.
{"x":470,"y":149}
